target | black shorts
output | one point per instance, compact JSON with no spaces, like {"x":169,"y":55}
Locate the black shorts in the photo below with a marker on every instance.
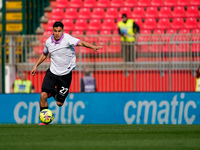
{"x":54,"y":84}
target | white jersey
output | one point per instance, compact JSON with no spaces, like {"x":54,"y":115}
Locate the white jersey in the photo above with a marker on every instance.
{"x":62,"y":54}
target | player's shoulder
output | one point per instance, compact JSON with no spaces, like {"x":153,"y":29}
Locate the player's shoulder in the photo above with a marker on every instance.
{"x":48,"y":41}
{"x":66,"y":36}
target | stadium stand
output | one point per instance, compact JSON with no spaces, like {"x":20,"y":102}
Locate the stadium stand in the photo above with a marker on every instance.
{"x":144,"y":3}
{"x":192,"y":11}
{"x":116,"y":3}
{"x":130,"y":3}
{"x":112,"y":13}
{"x":98,"y":13}
{"x":138,"y":12}
{"x":70,"y":13}
{"x":151,"y":12}
{"x":92,"y":18}
{"x":89,"y":3}
{"x":178,"y":11}
{"x":194,"y":2}
{"x":94,"y":24}
{"x":170,"y":3}
{"x":177,"y":23}
{"x":75,"y":3}
{"x":84,"y":13}
{"x":157,"y":3}
{"x":183,"y":2}
{"x":81,"y":24}
{"x":57,"y":13}
{"x":190,"y":23}
{"x":103,"y":3}
{"x":163,"y":23}
{"x":62,"y":4}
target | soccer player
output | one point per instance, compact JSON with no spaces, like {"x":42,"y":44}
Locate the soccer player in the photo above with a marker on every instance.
{"x":61,"y":48}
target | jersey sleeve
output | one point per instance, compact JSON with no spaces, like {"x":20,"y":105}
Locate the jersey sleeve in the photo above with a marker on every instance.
{"x":45,"y":51}
{"x":73,"y":41}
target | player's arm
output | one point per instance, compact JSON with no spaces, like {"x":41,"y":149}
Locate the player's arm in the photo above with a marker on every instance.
{"x":40,"y":60}
{"x":88,"y":45}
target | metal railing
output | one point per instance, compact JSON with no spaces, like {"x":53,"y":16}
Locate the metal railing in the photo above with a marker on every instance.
{"x":163,"y":62}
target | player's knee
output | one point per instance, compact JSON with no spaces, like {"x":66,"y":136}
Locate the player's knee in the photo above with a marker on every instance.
{"x":59,"y":104}
{"x":44,"y":96}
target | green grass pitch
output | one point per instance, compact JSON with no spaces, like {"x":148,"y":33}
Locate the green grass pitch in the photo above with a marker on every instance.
{"x":100,"y":137}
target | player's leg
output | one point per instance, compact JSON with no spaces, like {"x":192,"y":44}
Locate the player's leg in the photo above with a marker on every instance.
{"x":63,"y":86}
{"x":48,"y":87}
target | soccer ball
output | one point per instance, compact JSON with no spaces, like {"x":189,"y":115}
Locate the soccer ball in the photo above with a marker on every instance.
{"x":46,"y":116}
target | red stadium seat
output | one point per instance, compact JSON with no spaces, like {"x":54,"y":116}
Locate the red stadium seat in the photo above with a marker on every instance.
{"x":194,"y":31}
{"x":105,"y":32}
{"x":103,"y":3}
{"x":84,"y":13}
{"x":171,"y":31}
{"x":125,"y":10}
{"x":104,"y":38}
{"x":91,"y":32}
{"x":191,"y":23}
{"x":57,"y":14}
{"x":89,"y":36}
{"x":50,"y":23}
{"x":178,"y":11}
{"x":75,"y":3}
{"x":156,"y":3}
{"x":98,"y":13}
{"x":77,"y":32}
{"x":170,"y":3}
{"x":144,"y":3}
{"x":117,"y":3}
{"x":151,"y":12}
{"x":163,"y":23}
{"x":184,"y":31}
{"x":177,"y":23}
{"x":89,"y":3}
{"x":192,"y":11}
{"x":183,"y":2}
{"x":194,"y":2}
{"x":47,"y":33}
{"x":158,"y":31}
{"x":112,"y":13}
{"x":68,"y":25}
{"x":94,"y":24}
{"x":81,"y":24}
{"x":138,"y":22}
{"x":165,"y":12}
{"x":71,"y":13}
{"x":145,"y":32}
{"x":108,"y":24}
{"x":150,"y":24}
{"x":138,"y":12}
{"x":61,"y":4}
{"x":130,"y":3}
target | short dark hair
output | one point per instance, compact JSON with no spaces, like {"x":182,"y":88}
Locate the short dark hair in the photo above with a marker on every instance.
{"x":124,"y":15}
{"x":58,"y":24}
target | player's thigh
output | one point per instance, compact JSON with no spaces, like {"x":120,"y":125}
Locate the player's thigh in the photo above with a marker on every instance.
{"x":63,"y":87}
{"x":49,"y":82}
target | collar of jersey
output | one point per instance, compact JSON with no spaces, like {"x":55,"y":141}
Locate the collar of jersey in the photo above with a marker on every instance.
{"x":56,"y":42}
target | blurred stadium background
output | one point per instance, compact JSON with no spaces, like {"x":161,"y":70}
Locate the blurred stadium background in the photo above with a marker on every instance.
{"x":167,"y":48}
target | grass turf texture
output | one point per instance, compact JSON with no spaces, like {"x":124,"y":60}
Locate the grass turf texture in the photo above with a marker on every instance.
{"x":102,"y":137}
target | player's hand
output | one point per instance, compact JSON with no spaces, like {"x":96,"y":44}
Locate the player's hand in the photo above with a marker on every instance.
{"x":97,"y":47}
{"x":33,"y":71}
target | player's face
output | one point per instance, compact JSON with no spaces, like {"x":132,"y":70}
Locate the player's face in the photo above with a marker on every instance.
{"x":57,"y":32}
